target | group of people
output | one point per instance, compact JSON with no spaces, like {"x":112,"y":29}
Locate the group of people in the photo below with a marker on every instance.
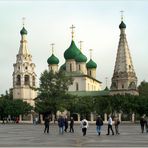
{"x":99,"y":124}
{"x":62,"y":123}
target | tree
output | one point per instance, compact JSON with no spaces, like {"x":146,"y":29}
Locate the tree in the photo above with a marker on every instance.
{"x":143,"y":88}
{"x":52,"y":91}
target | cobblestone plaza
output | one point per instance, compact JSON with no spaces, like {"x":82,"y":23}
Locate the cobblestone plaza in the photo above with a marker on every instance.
{"x":28,"y":135}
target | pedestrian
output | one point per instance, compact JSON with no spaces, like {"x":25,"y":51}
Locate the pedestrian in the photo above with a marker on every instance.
{"x":84,"y":125}
{"x":61,"y":125}
{"x":110,"y":122}
{"x":71,"y":125}
{"x":46,"y":123}
{"x":116,"y":122}
{"x":66,"y":124}
{"x":99,"y":123}
{"x":142,"y":123}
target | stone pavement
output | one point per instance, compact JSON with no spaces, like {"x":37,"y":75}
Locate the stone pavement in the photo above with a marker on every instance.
{"x":27,"y":135}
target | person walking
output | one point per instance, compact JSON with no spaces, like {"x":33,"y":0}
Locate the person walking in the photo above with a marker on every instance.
{"x":84,"y":125}
{"x":71,"y":125}
{"x":66,"y":124}
{"x":61,"y":125}
{"x":116,"y":122}
{"x":99,"y":123}
{"x":142,"y":123}
{"x":110,"y":122}
{"x":46,"y":123}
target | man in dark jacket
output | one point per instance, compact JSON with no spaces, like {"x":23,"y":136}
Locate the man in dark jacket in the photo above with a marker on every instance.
{"x":99,"y":123}
{"x":71,"y":125}
{"x":61,"y":124}
{"x":46,"y":123}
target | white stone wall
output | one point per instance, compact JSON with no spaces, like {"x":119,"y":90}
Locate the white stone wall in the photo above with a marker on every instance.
{"x":85,"y":84}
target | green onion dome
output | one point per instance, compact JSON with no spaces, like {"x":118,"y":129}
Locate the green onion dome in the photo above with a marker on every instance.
{"x":81,"y":58}
{"x":63,"y":67}
{"x":53,"y":60}
{"x":91,"y":64}
{"x":23,"y":31}
{"x":122,"y":25}
{"x":72,"y":51}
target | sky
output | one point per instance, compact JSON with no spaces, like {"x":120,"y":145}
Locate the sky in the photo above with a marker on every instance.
{"x":96,"y":24}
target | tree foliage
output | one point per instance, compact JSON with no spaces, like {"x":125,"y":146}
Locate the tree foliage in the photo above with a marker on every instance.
{"x":52,"y":91}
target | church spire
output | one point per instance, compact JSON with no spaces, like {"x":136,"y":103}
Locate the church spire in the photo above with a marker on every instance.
{"x":23,"y":43}
{"x":124,"y":77}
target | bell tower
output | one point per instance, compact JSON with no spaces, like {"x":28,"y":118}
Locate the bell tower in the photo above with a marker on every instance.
{"x":24,"y":77}
{"x":124,"y":80}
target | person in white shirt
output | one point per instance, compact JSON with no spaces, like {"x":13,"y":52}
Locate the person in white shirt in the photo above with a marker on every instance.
{"x":110,"y":123}
{"x":84,"y":125}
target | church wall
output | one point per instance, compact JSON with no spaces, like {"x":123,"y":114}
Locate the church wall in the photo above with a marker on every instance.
{"x":85,"y":84}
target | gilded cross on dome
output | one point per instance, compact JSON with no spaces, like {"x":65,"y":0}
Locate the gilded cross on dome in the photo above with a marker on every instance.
{"x":23,"y":21}
{"x":122,"y":15}
{"x":80,"y":42}
{"x":52,"y":45}
{"x":72,"y":30}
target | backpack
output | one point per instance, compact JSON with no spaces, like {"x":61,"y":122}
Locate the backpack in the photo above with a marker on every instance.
{"x":84,"y":123}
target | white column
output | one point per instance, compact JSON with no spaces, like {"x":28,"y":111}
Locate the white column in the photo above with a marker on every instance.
{"x":133,"y":117}
{"x":105,"y":117}
{"x":119,"y":116}
{"x":78,"y":117}
{"x":20,"y":118}
{"x":91,"y":117}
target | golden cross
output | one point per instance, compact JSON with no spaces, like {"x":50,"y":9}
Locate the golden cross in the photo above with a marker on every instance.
{"x":122,"y":15}
{"x":106,"y":78}
{"x":52,"y":45}
{"x":23,"y":20}
{"x":90,"y":53}
{"x":72,"y":30}
{"x":80,"y":42}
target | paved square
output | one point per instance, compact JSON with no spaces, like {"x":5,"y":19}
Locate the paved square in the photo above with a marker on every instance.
{"x":22,"y":135}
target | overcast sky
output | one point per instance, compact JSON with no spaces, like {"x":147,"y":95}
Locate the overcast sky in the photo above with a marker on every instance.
{"x":96,"y":22}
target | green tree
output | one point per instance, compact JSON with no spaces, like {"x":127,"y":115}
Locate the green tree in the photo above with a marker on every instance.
{"x":52,"y":91}
{"x":143,"y":88}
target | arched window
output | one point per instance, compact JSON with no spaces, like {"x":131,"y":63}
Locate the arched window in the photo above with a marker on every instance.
{"x":77,"y":86}
{"x":90,"y":73}
{"x":26,"y":78}
{"x":79,"y":67}
{"x":18,"y":80}
{"x":70,"y":67}
{"x":33,"y":80}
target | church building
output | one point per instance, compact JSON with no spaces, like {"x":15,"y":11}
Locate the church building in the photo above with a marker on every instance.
{"x":76,"y":66}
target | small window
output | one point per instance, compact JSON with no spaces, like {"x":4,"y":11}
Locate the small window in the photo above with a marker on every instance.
{"x":26,"y":67}
{"x":33,"y":80}
{"x":122,"y":86}
{"x":18,"y":80}
{"x":79,"y":67}
{"x":77,"y":86}
{"x":26,"y":80}
{"x":90,"y":73}
{"x":70,"y":67}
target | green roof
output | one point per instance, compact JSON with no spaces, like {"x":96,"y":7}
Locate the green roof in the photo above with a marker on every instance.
{"x":72,"y":51}
{"x":23,"y":31}
{"x":53,"y":60}
{"x":81,"y":58}
{"x":91,"y":64}
{"x":122,"y":25}
{"x":63,"y":67}
{"x":89,"y":93}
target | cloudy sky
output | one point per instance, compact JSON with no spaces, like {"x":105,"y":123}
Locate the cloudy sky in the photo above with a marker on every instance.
{"x":97,"y":25}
